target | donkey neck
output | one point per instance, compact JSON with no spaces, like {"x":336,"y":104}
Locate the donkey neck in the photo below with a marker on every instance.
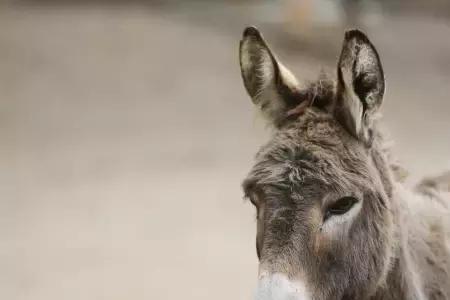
{"x":403,"y":280}
{"x":421,"y":269}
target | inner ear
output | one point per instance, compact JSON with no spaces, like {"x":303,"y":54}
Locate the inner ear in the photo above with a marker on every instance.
{"x":271,"y":86}
{"x":360,"y":85}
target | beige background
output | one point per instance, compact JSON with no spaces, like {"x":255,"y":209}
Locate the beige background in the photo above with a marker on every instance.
{"x":125,"y":132}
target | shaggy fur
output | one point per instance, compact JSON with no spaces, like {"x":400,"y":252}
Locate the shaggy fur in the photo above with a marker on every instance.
{"x":327,"y":145}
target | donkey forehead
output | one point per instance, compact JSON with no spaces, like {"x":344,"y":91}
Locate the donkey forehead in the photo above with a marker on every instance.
{"x":313,"y":150}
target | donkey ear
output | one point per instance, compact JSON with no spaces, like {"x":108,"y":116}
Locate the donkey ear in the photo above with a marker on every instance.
{"x":270,"y":85}
{"x":360,"y":85}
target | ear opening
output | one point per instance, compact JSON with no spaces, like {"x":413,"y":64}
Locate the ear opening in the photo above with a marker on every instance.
{"x":361,"y":85}
{"x":270,"y":85}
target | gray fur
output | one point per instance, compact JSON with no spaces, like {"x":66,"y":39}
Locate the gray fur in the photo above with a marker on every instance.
{"x":397,"y":247}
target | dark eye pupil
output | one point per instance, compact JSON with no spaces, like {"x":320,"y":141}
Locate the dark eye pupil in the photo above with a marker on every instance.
{"x":340,"y":207}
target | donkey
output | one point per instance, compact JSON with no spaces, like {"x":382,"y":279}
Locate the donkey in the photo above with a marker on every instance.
{"x":334,"y":220}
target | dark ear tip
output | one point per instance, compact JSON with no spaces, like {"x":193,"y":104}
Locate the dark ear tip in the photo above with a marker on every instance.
{"x":356,"y":34}
{"x":251,"y":31}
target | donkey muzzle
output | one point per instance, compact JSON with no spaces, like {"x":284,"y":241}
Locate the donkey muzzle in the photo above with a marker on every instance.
{"x":278,"y":287}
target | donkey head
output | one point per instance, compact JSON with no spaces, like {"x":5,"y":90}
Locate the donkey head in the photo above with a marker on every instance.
{"x":321,"y":185}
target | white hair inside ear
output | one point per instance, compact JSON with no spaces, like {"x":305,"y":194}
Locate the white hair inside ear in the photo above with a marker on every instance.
{"x":268,"y":82}
{"x":351,"y":103}
{"x":360,"y":85}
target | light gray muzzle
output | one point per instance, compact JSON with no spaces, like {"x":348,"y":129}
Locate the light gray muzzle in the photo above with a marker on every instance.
{"x":278,"y":287}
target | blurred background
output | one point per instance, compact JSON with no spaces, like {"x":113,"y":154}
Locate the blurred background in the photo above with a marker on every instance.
{"x":126,"y":131}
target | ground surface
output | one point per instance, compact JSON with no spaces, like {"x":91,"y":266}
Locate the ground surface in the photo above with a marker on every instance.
{"x":125,"y":134}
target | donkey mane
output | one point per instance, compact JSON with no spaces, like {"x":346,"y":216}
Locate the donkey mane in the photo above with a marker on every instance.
{"x":319,"y":93}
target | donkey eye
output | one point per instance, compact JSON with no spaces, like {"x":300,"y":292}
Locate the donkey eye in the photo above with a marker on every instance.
{"x":340,"y":207}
